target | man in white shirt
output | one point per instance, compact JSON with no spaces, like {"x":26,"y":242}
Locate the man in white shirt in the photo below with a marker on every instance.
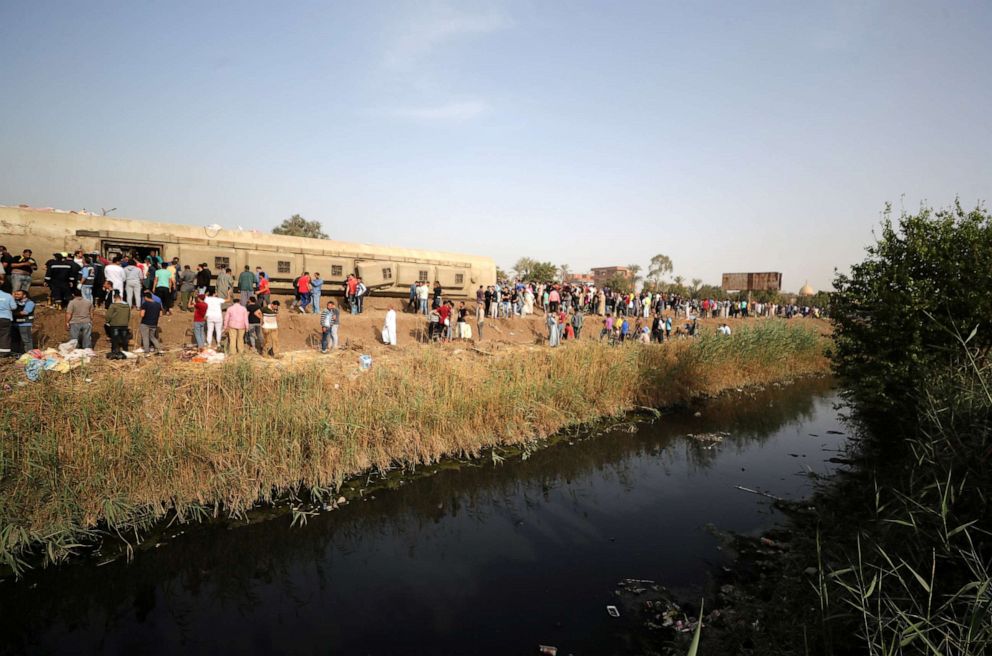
{"x":215,"y":316}
{"x":114,"y":273}
{"x":389,"y":328}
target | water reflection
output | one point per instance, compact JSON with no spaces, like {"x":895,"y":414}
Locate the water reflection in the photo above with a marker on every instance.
{"x":482,"y":559}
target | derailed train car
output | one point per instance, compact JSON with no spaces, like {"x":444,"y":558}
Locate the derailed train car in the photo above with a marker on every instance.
{"x":387,"y":270}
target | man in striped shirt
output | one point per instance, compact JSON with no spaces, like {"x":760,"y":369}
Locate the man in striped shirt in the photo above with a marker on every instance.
{"x":330,"y":318}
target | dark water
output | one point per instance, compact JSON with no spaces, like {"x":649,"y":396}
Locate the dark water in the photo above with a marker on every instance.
{"x":480,"y":560}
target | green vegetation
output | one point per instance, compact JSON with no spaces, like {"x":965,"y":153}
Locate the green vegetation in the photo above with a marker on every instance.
{"x":895,"y":311}
{"x":297,"y":226}
{"x":893,"y":556}
{"x":118,"y":454}
{"x":529,"y":269}
{"x":661,"y":265}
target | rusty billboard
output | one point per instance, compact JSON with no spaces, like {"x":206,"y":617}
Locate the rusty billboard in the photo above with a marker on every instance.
{"x":752,"y":282}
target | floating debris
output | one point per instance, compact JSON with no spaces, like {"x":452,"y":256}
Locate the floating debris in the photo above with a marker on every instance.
{"x":613,"y":611}
{"x":708,"y":438}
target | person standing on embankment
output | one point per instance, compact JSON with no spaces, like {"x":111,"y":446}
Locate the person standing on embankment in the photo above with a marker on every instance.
{"x":79,"y":320}
{"x":117,"y":319}
{"x":270,"y":330}
{"x":246,"y":284}
{"x":330,"y":319}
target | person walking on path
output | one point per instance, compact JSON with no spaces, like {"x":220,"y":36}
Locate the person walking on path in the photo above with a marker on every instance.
{"x":151,"y":311}
{"x":330,"y":319}
{"x":389,"y":328}
{"x":79,"y":320}
{"x":235,"y":324}
{"x":246,"y":284}
{"x":303,"y":288}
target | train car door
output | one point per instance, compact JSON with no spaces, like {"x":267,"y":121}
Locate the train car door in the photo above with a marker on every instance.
{"x":138,"y":249}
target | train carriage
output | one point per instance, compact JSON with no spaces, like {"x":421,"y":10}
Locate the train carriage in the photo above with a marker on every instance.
{"x":387,"y":270}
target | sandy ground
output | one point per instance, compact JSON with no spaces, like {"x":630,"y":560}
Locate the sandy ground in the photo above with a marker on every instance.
{"x":357,"y":332}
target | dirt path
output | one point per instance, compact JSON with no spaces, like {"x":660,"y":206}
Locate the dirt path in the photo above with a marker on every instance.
{"x":360,"y":332}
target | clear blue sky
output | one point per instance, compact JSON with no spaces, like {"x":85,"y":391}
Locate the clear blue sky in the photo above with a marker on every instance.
{"x":735,"y":136}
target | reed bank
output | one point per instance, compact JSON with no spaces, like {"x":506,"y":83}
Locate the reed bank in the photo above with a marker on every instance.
{"x":114,"y":455}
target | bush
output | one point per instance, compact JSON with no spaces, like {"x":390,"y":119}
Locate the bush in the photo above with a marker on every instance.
{"x":894,"y":313}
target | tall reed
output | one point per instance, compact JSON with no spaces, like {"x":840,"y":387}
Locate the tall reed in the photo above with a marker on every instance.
{"x":122,"y":451}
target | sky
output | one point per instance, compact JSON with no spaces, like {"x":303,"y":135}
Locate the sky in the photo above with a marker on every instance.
{"x":730,"y":136}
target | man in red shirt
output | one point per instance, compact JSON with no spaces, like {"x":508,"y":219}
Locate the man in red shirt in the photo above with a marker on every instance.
{"x":303,"y":287}
{"x":444,"y":313}
{"x":200,"y":320}
{"x":352,"y":292}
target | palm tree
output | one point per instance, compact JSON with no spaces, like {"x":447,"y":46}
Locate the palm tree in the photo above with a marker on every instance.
{"x":564,"y":269}
{"x":635,"y":277}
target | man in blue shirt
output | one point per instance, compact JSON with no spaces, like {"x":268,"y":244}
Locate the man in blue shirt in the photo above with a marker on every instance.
{"x":7,"y":307}
{"x":24,"y":319}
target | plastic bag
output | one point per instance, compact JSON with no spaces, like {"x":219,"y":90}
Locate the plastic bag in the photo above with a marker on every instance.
{"x":66,"y":348}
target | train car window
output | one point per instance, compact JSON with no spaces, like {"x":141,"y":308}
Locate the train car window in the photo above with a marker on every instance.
{"x":387,"y":273}
{"x":283,"y":266}
{"x":222,"y":262}
{"x":425,"y":275}
{"x":336,"y":270}
{"x":459,"y":278}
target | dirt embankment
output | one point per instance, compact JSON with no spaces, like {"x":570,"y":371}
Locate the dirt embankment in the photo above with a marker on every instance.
{"x":302,"y":331}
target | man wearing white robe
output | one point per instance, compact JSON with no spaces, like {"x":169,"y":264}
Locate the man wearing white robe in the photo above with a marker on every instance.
{"x":389,"y":328}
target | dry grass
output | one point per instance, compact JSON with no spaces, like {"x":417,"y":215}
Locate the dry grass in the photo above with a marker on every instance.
{"x":123,"y":451}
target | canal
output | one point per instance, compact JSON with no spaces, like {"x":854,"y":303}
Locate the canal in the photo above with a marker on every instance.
{"x":482,"y":558}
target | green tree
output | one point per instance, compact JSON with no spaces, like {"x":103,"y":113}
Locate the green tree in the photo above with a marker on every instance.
{"x":523,"y":267}
{"x":564,"y":270}
{"x":297,"y":226}
{"x":502,"y":275}
{"x":543,"y":272}
{"x":620,"y":283}
{"x":696,"y":283}
{"x":661,"y":265}
{"x":895,"y":314}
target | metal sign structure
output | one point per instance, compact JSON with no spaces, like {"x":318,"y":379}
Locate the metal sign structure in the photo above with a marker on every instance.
{"x":752,"y":282}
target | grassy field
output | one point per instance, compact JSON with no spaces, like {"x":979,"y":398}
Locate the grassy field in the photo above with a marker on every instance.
{"x":121,"y":452}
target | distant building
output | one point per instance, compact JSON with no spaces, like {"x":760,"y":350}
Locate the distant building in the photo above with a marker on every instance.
{"x":580,"y":279}
{"x":601,"y":274}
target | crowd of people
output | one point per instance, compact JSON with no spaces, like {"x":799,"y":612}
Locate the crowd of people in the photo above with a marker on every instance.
{"x":242,"y":310}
